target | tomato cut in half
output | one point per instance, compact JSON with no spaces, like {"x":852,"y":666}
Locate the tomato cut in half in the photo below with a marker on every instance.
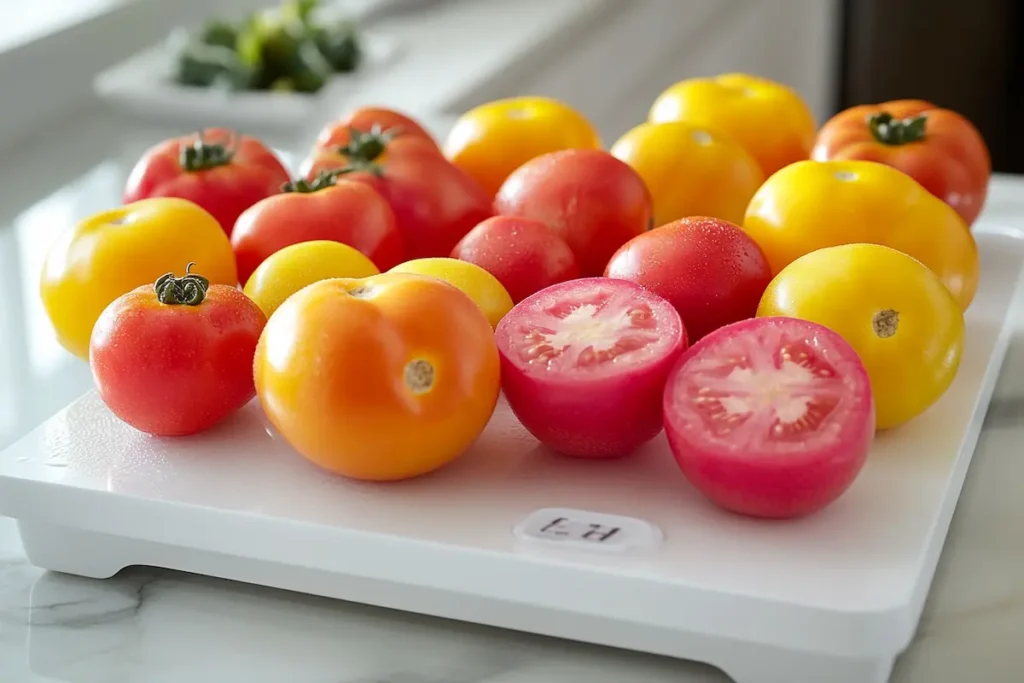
{"x":770,"y":417}
{"x":584,"y":364}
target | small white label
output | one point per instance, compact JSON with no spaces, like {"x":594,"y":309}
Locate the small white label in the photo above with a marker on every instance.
{"x":592,"y":531}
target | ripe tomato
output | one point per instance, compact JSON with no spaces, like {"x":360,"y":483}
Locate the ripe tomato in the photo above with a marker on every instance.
{"x":175,"y":358}
{"x":290,"y":269}
{"x":490,"y":141}
{"x":593,"y":201}
{"x":367,"y":119}
{"x":690,"y":170}
{"x":709,"y":269}
{"x":324,"y":209}
{"x":815,"y":204}
{"x":524,"y":254}
{"x":434,"y":202}
{"x":113,"y":252}
{"x":937,"y":147}
{"x":895,"y":313}
{"x":384,"y":378}
{"x":221,"y":171}
{"x":583,"y":365}
{"x":767,"y":118}
{"x":770,"y":417}
{"x":473,"y":281}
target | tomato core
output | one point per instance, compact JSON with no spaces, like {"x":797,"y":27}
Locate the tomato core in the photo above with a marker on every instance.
{"x":419,"y":376}
{"x":886,"y":323}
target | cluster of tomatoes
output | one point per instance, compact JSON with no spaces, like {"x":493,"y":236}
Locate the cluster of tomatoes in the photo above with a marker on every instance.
{"x":767,"y":293}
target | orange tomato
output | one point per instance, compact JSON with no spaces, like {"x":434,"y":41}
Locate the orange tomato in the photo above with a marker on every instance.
{"x":939,"y":148}
{"x":494,"y":139}
{"x":769,"y":119}
{"x":690,"y":170}
{"x":382,"y":378}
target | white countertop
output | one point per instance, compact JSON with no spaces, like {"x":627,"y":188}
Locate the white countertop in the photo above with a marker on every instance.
{"x":155,"y":626}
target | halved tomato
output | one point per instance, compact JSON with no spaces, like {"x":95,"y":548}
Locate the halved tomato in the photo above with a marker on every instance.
{"x":770,"y":417}
{"x":584,"y":364}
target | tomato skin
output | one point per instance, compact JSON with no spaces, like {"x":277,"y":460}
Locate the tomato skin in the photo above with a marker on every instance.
{"x":769,"y":119}
{"x":601,"y":416}
{"x":690,"y":170}
{"x":951,"y":160}
{"x":845,"y":288}
{"x":811,"y":205}
{"x":751,"y":479}
{"x":483,"y":288}
{"x":348,"y":212}
{"x":593,"y":201}
{"x":338,"y":133}
{"x":708,"y":269}
{"x":492,"y":140}
{"x":115,"y":251}
{"x":252,"y":173}
{"x":332,"y":372}
{"x":525,"y":255}
{"x":434,"y":202}
{"x":174,"y":370}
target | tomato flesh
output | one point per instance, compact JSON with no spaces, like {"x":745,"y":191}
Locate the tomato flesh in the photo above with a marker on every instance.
{"x":771,"y":417}
{"x":584,"y":364}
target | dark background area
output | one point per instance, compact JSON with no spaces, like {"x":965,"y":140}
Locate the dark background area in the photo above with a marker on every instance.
{"x":962,"y":55}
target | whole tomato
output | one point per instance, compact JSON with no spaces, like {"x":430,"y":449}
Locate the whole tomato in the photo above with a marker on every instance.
{"x":708,"y":269}
{"x":811,"y":205}
{"x":434,"y":202}
{"x":115,"y":251}
{"x":221,"y":171}
{"x":324,"y":209}
{"x":490,"y":141}
{"x":897,"y":315}
{"x":525,"y":255}
{"x":384,"y":378}
{"x":690,"y":170}
{"x":769,"y":119}
{"x":175,"y":358}
{"x":937,"y":147}
{"x":369,"y":119}
{"x":593,"y":201}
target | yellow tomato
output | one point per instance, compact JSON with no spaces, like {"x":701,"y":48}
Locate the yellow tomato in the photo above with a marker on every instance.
{"x":490,"y":141}
{"x":287,"y":271}
{"x":483,"y":288}
{"x":769,"y":119}
{"x":905,"y":325}
{"x":815,"y":204}
{"x":690,"y":170}
{"x":113,"y":252}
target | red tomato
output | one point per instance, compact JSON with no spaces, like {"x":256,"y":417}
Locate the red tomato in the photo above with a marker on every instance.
{"x":221,"y":171}
{"x":365,"y":120}
{"x":435,"y":203}
{"x":770,"y":417}
{"x":593,"y":201}
{"x":584,"y":364}
{"x":523,"y":254}
{"x":709,"y":269}
{"x":176,"y":358}
{"x":325,"y":209}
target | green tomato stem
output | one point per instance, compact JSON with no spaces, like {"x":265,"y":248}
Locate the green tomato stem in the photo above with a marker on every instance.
{"x":202,"y":155}
{"x":189,"y":290}
{"x":323,"y":180}
{"x":892,"y":131}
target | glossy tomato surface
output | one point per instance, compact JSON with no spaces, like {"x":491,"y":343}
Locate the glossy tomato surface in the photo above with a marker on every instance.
{"x":770,"y":417}
{"x":113,"y":252}
{"x":220,"y":170}
{"x":434,"y":202}
{"x":524,"y":254}
{"x":490,"y":141}
{"x":366,"y":119}
{"x":811,"y":205}
{"x":709,"y":269}
{"x":327,"y":209}
{"x":172,"y":369}
{"x":937,"y":147}
{"x":383,"y":378}
{"x":483,"y":288}
{"x":584,"y":364}
{"x":897,"y":315}
{"x":593,"y":201}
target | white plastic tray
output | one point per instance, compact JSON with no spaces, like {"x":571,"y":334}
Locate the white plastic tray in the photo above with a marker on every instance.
{"x":834,"y":597}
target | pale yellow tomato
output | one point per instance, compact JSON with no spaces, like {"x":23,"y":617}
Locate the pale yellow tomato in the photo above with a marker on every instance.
{"x":483,"y":288}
